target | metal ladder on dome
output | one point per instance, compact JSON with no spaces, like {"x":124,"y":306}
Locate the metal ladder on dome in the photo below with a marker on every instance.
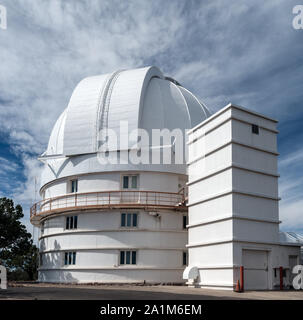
{"x":105,"y":107}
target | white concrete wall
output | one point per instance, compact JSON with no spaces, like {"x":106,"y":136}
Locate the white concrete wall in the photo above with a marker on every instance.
{"x":211,"y":210}
{"x":108,"y":181}
{"x":233,"y":199}
{"x":212,"y":232}
{"x":159,"y":241}
{"x":215,"y":270}
{"x":129,"y":275}
{"x":256,"y":208}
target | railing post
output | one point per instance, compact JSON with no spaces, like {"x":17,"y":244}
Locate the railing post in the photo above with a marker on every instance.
{"x":76,"y":200}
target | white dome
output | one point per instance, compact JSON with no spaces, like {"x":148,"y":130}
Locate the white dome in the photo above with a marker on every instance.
{"x":143,"y":97}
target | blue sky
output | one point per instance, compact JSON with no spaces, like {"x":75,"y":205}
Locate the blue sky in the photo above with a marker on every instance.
{"x":245,"y":52}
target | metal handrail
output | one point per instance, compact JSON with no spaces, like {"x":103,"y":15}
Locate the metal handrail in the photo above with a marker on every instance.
{"x":107,"y":199}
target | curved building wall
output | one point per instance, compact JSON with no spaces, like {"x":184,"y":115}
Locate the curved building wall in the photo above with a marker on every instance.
{"x":159,"y":237}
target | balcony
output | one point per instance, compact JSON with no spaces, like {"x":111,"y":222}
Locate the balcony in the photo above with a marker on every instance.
{"x":107,"y":200}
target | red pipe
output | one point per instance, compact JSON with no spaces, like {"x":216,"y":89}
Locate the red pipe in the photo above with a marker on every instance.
{"x":242,"y":279}
{"x":281,"y":278}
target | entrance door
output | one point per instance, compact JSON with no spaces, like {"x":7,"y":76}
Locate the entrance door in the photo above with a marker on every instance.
{"x":255,"y":264}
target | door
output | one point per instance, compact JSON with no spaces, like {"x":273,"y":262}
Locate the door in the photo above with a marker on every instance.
{"x":255,"y":264}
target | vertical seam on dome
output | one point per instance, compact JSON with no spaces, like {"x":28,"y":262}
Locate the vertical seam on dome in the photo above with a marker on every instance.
{"x":101,"y":94}
{"x":60,"y":125}
{"x":105,"y":104}
{"x":185,"y":103}
{"x":202,"y":105}
{"x":100,"y":107}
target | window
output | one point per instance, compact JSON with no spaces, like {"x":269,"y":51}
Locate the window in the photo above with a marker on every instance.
{"x":69,"y":258}
{"x":184,"y":258}
{"x":71,"y":223}
{"x":130,"y":182}
{"x":41,"y":259}
{"x":184,"y":222}
{"x":134,"y":182}
{"x":255,"y":129}
{"x":74,"y":186}
{"x":42,"y":227}
{"x":128,"y":257}
{"x":129,"y":219}
{"x":125,"y":182}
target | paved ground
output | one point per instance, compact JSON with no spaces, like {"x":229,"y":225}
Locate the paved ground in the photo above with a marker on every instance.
{"x":31,"y":291}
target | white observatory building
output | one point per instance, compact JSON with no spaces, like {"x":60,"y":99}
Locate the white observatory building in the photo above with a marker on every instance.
{"x":115,"y":222}
{"x":106,"y":219}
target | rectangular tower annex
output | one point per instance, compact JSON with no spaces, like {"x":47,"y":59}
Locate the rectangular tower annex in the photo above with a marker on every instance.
{"x":233,"y":201}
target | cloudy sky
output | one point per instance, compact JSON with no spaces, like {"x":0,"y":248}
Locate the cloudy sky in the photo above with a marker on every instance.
{"x":245,"y":52}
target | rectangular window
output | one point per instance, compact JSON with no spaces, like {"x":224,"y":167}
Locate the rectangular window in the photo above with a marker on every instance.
{"x":125,"y":182}
{"x":41,"y":259}
{"x":184,"y":258}
{"x":184,"y":222}
{"x":134,"y":257}
{"x":74,"y":186}
{"x":123,"y":219}
{"x":69,"y":258}
{"x":255,"y":129}
{"x":71,"y":223}
{"x":130,"y":182}
{"x":128,"y":257}
{"x":67,"y":223}
{"x":122,"y":257}
{"x":134,"y":182}
{"x":74,"y":257}
{"x":134,"y":219}
{"x":129,"y":220}
{"x":42,"y":228}
{"x":75,"y":222}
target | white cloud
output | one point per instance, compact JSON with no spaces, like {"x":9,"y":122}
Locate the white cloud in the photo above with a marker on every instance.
{"x":7,"y":166}
{"x":290,"y":187}
{"x":291,"y":214}
{"x":292,"y":158}
{"x":50,"y":46}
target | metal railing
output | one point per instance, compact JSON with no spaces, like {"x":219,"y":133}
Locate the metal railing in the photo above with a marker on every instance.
{"x":108,"y":199}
